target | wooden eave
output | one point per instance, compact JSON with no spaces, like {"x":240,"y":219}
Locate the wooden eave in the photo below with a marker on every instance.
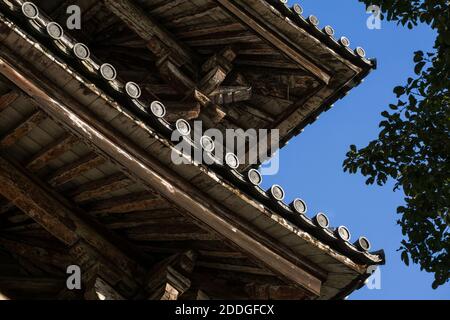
{"x":195,"y":189}
{"x":323,"y":69}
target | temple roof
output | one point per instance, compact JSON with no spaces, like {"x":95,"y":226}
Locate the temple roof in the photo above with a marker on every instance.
{"x":281,"y":70}
{"x":80,"y":73}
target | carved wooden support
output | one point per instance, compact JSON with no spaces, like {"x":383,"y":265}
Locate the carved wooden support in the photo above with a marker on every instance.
{"x":216,"y":69}
{"x":169,"y":279}
{"x":211,"y":113}
{"x":230,"y":95}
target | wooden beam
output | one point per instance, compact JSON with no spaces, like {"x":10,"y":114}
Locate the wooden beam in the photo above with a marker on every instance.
{"x":143,"y":218}
{"x":211,"y":113}
{"x":194,"y":31}
{"x":164,"y":181}
{"x":52,"y":152}
{"x":230,"y":95}
{"x":98,"y":188}
{"x":174,"y":113}
{"x":274,"y":39}
{"x":160,"y":89}
{"x":8,"y":98}
{"x":73,"y":170}
{"x":22,"y":129}
{"x":216,"y":69}
{"x":105,"y":291}
{"x":234,"y":268}
{"x":175,"y":77}
{"x":176,"y":232}
{"x":129,"y":203}
{"x":159,"y":41}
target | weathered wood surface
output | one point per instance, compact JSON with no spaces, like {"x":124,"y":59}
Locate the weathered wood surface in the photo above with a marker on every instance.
{"x":8,"y":98}
{"x":170,"y":278}
{"x":22,"y":129}
{"x":58,"y":217}
{"x":152,"y":174}
{"x":72,"y":170}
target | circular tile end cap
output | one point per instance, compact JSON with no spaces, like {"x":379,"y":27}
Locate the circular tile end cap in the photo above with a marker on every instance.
{"x":232,"y":160}
{"x":207,"y":143}
{"x":133,"y":90}
{"x":158,"y":109}
{"x":30,"y":10}
{"x":277,"y":192}
{"x":299,"y":206}
{"x":81,"y":51}
{"x":344,"y":233}
{"x":108,"y":71}
{"x":322,"y":220}
{"x":54,"y":30}
{"x":183,"y":127}
{"x":255,"y":177}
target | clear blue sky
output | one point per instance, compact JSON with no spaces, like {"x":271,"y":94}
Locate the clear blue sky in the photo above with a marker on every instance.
{"x":311,"y":165}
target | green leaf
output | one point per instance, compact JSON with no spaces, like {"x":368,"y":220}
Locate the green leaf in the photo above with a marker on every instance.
{"x":399,"y":91}
{"x":405,"y":257}
{"x":419,"y":67}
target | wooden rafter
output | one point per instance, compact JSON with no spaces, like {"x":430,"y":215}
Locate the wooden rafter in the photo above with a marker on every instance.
{"x":71,"y":171}
{"x":100,"y":187}
{"x":8,"y":98}
{"x":129,"y":203}
{"x":51,"y":152}
{"x":22,"y":129}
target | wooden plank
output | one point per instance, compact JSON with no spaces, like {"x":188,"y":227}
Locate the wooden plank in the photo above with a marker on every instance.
{"x":51,"y":152}
{"x":234,"y":268}
{"x":191,"y":32}
{"x":71,"y":171}
{"x":98,"y":188}
{"x":129,"y":203}
{"x":22,"y":129}
{"x":169,"y":232}
{"x":8,"y":98}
